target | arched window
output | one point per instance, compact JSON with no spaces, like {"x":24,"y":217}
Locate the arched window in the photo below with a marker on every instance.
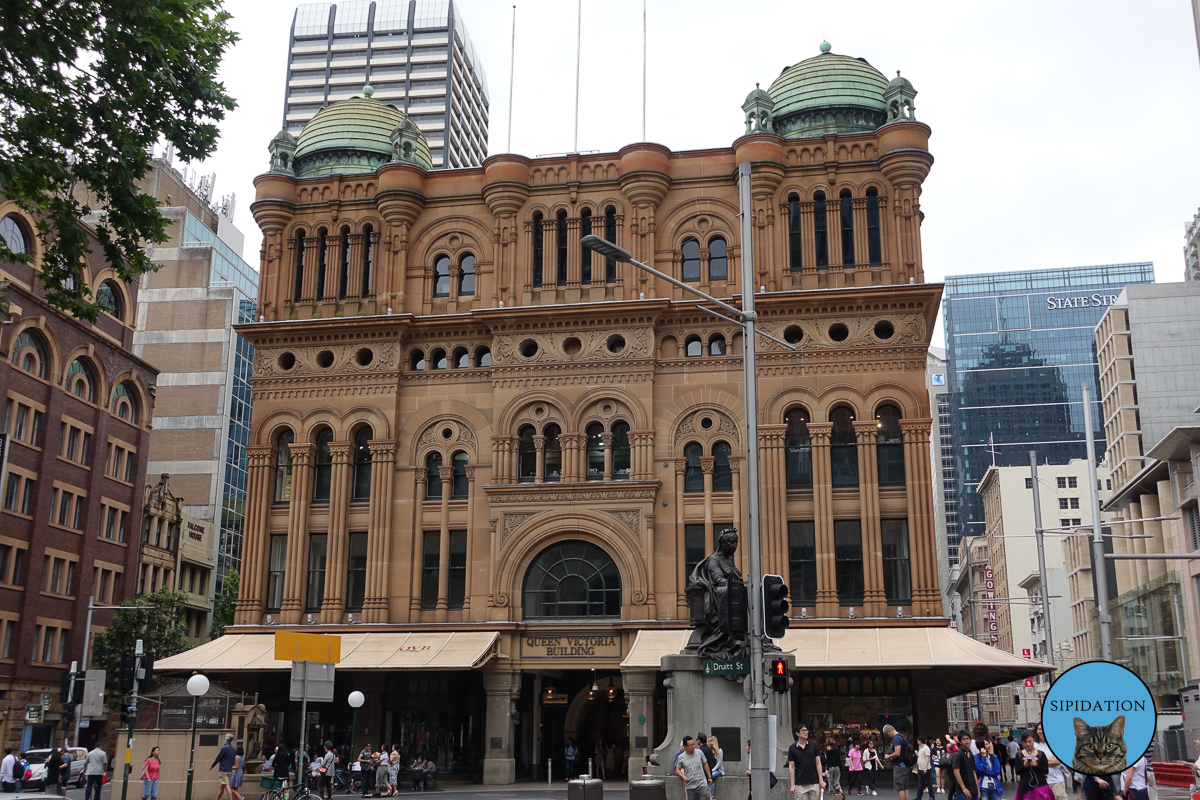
{"x":438,"y":360}
{"x":610,"y":234}
{"x":572,"y":580}
{"x":798,"y":447}
{"x":847,"y":220}
{"x":691,"y":261}
{"x":561,"y":248}
{"x":81,"y":380}
{"x":108,"y":298}
{"x":362,"y":464}
{"x":552,"y":451}
{"x":820,"y":230}
{"x":460,"y":486}
{"x":693,"y":347}
{"x":693,"y":475}
{"x":416,"y":360}
{"x":322,"y":261}
{"x":585,"y":254}
{"x":344,"y":266}
{"x":322,"y":467}
{"x":716,"y":345}
{"x":441,"y":276}
{"x":722,"y":472}
{"x":526,"y":455}
{"x":298,"y":284}
{"x":621,"y":457}
{"x":795,"y":251}
{"x":595,"y":452}
{"x":462,"y":359}
{"x":125,"y":402}
{"x":283,"y":467}
{"x":433,"y":476}
{"x":538,"y":250}
{"x":889,"y":446}
{"x":483,"y":357}
{"x":368,"y":258}
{"x":718,"y":264}
{"x":15,"y":238}
{"x":874,"y":249}
{"x":466,"y":275}
{"x":29,"y":354}
{"x":843,"y":447}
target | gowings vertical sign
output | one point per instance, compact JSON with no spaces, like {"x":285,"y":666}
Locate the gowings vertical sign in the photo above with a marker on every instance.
{"x":989,"y":588}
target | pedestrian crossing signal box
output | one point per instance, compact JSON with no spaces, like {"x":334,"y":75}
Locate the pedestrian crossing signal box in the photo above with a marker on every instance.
{"x":779,"y":675}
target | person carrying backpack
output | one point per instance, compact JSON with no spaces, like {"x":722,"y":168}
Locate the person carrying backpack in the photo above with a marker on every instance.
{"x":903,"y":759}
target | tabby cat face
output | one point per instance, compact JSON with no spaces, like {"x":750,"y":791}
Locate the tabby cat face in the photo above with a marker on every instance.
{"x":1100,"y":749}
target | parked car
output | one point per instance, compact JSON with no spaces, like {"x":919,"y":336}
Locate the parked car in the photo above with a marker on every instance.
{"x":35,"y":776}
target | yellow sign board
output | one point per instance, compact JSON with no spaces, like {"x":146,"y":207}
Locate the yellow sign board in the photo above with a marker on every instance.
{"x":317,"y":647}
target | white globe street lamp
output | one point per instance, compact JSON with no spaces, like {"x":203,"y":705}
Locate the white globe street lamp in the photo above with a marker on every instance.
{"x":197,"y":686}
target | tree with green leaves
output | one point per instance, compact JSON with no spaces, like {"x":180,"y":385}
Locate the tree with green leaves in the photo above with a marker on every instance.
{"x":224,"y":605}
{"x":87,"y":88}
{"x":162,"y":629}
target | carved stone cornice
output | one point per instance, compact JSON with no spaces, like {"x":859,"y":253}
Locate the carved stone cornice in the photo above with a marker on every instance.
{"x":340,"y":452}
{"x":261,"y":455}
{"x":554,"y":493}
{"x":446,"y":474}
{"x":819,"y":433}
{"x":382,"y":450}
{"x":302,"y":453}
{"x":706,"y":464}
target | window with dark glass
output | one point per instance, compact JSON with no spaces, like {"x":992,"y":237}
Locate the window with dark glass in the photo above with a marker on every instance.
{"x":34,"y":359}
{"x":718,"y":263}
{"x":874,"y":248}
{"x":889,"y":446}
{"x":457,"y":590}
{"x":462,"y":359}
{"x":585,"y":254}
{"x":897,"y":575}
{"x":322,"y":253}
{"x":691,"y":260}
{"x":526,"y":455}
{"x":322,"y":467}
{"x":795,"y":252}
{"x":459,"y":485}
{"x":538,"y":236}
{"x":552,"y":451}
{"x":108,"y":298}
{"x":13,"y":233}
{"x":716,"y":345}
{"x":441,"y":276}
{"x":561,"y":248}
{"x":694,"y":548}
{"x":847,"y":226}
{"x":693,"y":475}
{"x":572,"y":579}
{"x":344,"y":266}
{"x":283,"y":467}
{"x":802,"y":562}
{"x":722,"y":473}
{"x":798,"y":450}
{"x":433,"y":476}
{"x":356,"y":571}
{"x":466,"y":275}
{"x":610,"y":234}
{"x":694,"y":347}
{"x":820,"y":229}
{"x":848,"y":556}
{"x":362,"y":464}
{"x":429,"y":570}
{"x":843,"y":448}
{"x":314,"y":593}
{"x":483,"y":357}
{"x":621,"y":461}
{"x":416,"y":360}
{"x":298,"y":288}
{"x":368,"y":256}
{"x":595,"y":452}
{"x":438,"y":360}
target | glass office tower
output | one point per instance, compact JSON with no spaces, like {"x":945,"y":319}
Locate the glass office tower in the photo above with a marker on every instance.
{"x":1019,"y":346}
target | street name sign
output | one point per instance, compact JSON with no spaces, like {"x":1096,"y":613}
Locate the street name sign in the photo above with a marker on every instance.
{"x":739,"y":666}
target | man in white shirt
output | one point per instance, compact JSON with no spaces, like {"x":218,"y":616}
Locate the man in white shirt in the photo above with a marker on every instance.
{"x":924,"y":775}
{"x":1134,"y":781}
{"x":7,"y":781}
{"x":94,"y":769}
{"x":1014,"y":750}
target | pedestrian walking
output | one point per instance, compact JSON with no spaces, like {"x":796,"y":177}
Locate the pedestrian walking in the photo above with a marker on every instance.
{"x":692,"y":768}
{"x":64,"y":775}
{"x":1032,"y":770}
{"x":1056,"y":778}
{"x":237,"y":776}
{"x":610,"y":761}
{"x":1000,"y":748}
{"x":805,"y":766}
{"x":226,"y":757}
{"x":1133,"y":782}
{"x":94,"y":768}
{"x":381,"y":772}
{"x":53,"y":770}
{"x":871,"y":766}
{"x":328,"y":771}
{"x":832,"y":759}
{"x":966,"y":785}
{"x":854,"y":756}
{"x":598,"y":759}
{"x":569,"y":753}
{"x":987,"y":770}
{"x":925,"y":770}
{"x":365,"y":777}
{"x":900,"y":754}
{"x":1013,"y":759}
{"x":8,"y":768}
{"x":394,"y":770}
{"x":281,"y":765}
{"x":150,"y":769}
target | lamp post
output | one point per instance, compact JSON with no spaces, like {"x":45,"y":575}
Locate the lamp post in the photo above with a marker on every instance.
{"x":355,"y":699}
{"x":197,"y":685}
{"x":760,"y":764}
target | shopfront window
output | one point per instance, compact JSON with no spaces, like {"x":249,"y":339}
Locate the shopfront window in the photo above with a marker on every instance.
{"x":572,"y":579}
{"x":855,"y":704}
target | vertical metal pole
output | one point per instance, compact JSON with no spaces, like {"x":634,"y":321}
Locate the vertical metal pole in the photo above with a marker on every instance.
{"x":512,"y":62}
{"x":1099,"y":563}
{"x":87,"y":639}
{"x":643,"y":70}
{"x":192,"y":757}
{"x":304,"y":724}
{"x":578,"y":41}
{"x":974,"y":633}
{"x":760,"y":759}
{"x":1041,"y":548}
{"x":137,"y":666}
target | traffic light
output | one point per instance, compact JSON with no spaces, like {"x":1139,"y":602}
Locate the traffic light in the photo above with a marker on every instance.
{"x":146,"y":683}
{"x":779,"y":675}
{"x":1016,"y":699}
{"x":125,"y":672}
{"x":775,"y":606}
{"x":65,"y":694}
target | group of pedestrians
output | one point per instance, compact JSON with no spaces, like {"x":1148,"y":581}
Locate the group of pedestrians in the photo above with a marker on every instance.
{"x":699,"y":762}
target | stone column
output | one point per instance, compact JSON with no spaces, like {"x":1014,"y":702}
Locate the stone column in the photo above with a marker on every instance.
{"x":539,"y":445}
{"x":418,"y":547}
{"x":572,"y":473}
{"x":333,"y":267}
{"x":735,"y":466}
{"x":773,"y":498}
{"x":639,"y":700}
{"x":379,"y":532}
{"x":827,"y":600}
{"x":921,"y":530}
{"x":606,"y":441}
{"x":680,"y":543}
{"x":706,"y":464}
{"x":260,"y":493}
{"x":312,"y":264}
{"x":339,"y":514}
{"x":297,"y":551}
{"x":443,"y":598}
{"x":502,"y":687}
{"x":874,"y":597}
{"x":472,"y":526}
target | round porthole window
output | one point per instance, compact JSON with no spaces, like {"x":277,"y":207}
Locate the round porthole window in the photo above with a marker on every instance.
{"x":447,"y":433}
{"x":286,"y":361}
{"x":364,"y":356}
{"x":792,"y":334}
{"x":616,"y":344}
{"x":839,"y":332}
{"x":884,"y":330}
{"x":571,"y":346}
{"x":529,"y":348}
{"x":706,"y":422}
{"x":325,"y":359}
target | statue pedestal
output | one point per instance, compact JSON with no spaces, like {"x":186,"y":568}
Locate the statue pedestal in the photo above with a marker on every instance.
{"x":710,"y":703}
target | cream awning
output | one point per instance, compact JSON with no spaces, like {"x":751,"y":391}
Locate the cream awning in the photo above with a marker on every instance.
{"x":651,"y":646}
{"x":255,"y":652}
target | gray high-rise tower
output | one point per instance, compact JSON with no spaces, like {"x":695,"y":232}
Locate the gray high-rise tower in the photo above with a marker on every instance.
{"x":416,"y":54}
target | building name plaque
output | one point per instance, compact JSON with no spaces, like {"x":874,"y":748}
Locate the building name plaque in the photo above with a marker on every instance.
{"x":570,"y":645}
{"x":195,"y":531}
{"x":1083,"y":301}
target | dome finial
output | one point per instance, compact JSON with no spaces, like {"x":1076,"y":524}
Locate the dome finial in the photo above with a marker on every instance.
{"x":826,"y":47}
{"x":368,"y":90}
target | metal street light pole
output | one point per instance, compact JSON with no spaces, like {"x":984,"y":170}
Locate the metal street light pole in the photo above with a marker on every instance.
{"x":197,"y":685}
{"x":760,"y":758}
{"x":1099,"y":565}
{"x":1038,"y":531}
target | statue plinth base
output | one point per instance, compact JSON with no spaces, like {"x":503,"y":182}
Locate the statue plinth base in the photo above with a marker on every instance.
{"x":711,"y":703}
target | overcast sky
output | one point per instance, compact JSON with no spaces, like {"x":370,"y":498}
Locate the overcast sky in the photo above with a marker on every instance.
{"x":1064,"y":133}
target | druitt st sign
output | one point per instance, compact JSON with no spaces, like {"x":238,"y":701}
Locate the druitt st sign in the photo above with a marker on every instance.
{"x":740,"y":666}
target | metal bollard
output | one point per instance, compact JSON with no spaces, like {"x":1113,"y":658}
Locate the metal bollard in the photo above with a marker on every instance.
{"x":549,"y":769}
{"x":590,"y":773}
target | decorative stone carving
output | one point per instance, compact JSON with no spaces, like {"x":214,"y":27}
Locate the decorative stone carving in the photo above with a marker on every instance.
{"x":908,"y":329}
{"x":385,"y":357}
{"x":551,"y":495}
{"x":432,"y":435}
{"x":593,"y":345}
{"x":629,"y":519}
{"x":691,"y":427}
{"x":513,"y":521}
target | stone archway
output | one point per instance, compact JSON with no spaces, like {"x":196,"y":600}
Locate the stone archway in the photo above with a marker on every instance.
{"x":591,"y":716}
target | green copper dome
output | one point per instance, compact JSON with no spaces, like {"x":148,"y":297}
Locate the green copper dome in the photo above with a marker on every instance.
{"x":828,"y":93}
{"x":354,"y":136}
